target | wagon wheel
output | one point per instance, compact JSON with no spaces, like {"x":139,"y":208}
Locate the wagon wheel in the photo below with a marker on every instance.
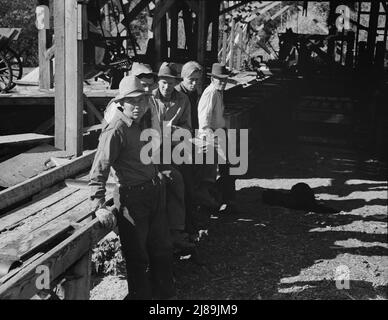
{"x":5,"y":74}
{"x":14,"y":60}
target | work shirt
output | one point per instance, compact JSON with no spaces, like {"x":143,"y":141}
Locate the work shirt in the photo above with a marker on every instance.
{"x":211,"y":109}
{"x":193,"y":98}
{"x":119,"y":147}
{"x":177,"y":108}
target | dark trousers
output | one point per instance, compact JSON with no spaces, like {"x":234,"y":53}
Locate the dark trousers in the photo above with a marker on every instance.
{"x":145,"y":240}
{"x":186,"y":171}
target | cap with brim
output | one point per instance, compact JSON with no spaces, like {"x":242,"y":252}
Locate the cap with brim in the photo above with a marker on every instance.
{"x":219,"y":71}
{"x":141,"y":69}
{"x":130,"y":87}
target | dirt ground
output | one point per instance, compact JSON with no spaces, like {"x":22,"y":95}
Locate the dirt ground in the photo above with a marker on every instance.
{"x":267,"y":252}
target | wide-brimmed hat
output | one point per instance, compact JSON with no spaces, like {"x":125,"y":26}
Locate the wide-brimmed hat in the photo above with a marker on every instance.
{"x":140,"y":68}
{"x":168,"y":70}
{"x":219,"y":71}
{"x":130,"y":86}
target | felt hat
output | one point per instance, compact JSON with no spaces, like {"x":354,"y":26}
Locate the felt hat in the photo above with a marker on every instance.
{"x":130,"y":86}
{"x":140,"y":68}
{"x":168,"y":70}
{"x":219,"y":71}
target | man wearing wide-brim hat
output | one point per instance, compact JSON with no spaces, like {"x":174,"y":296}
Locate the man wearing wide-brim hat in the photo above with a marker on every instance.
{"x":139,"y":196}
{"x":210,"y":118}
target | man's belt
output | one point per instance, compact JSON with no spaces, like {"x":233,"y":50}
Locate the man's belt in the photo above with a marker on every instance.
{"x":148,"y":184}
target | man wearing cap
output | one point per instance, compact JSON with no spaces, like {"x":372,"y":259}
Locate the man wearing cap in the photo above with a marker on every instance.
{"x":138,"y":197}
{"x":173,"y":108}
{"x":147,"y":78}
{"x":210,"y":118}
{"x":190,"y":74}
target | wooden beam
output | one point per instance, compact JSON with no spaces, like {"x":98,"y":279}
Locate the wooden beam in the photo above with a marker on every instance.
{"x":58,"y":260}
{"x":31,"y":186}
{"x":24,"y":138}
{"x":78,"y":277}
{"x":91,"y":108}
{"x":13,"y":218}
{"x":202,"y":32}
{"x":135,"y":11}
{"x":73,"y":77}
{"x":161,"y":9}
{"x":372,"y":31}
{"x":238,"y":5}
{"x":260,"y":11}
{"x":60,"y":67}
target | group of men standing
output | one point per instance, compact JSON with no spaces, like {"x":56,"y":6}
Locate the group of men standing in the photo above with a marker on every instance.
{"x":155,"y":204}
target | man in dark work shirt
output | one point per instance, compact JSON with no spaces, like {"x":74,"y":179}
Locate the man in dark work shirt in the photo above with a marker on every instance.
{"x":139,"y":196}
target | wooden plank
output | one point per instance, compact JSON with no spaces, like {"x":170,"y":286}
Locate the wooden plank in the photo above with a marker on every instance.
{"x":78,"y":288}
{"x":73,"y":79}
{"x":58,"y":259}
{"x":24,"y":138}
{"x":15,"y":271}
{"x":135,"y":11}
{"x":27,"y":164}
{"x":91,"y":108}
{"x":236,"y":6}
{"x":26,"y":244}
{"x":34,"y":185}
{"x":13,"y":218}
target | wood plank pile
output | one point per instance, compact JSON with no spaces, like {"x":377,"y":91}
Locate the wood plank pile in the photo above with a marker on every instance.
{"x":55,"y":230}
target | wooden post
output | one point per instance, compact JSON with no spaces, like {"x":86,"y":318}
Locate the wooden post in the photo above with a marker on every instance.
{"x":202,"y":31}
{"x":43,"y":25}
{"x":77,"y":286}
{"x":69,"y":74}
{"x":60,"y":67}
{"x":239,"y":44}
{"x":174,"y":31}
{"x":224,"y":36}
{"x":372,"y":30}
{"x":202,"y":39}
{"x":215,"y":30}
{"x":231,"y":58}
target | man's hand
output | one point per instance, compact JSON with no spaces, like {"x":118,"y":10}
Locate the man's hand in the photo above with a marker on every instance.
{"x":106,"y":218}
{"x":96,"y":204}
